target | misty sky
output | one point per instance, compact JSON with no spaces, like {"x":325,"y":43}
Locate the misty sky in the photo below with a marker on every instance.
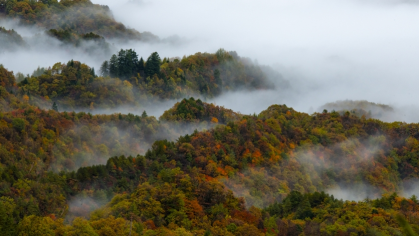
{"x":329,"y":50}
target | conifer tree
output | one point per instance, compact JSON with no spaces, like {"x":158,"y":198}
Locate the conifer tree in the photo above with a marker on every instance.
{"x":304,"y":210}
{"x":144,"y":115}
{"x":104,"y":69}
{"x":153,"y":64}
{"x":113,"y":66}
{"x":122,"y":68}
{"x":55,"y":107}
{"x":140,"y":66}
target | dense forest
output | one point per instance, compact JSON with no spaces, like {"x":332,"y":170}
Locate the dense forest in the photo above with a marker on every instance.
{"x":259,"y":174}
{"x":199,"y":168}
{"x":128,"y":80}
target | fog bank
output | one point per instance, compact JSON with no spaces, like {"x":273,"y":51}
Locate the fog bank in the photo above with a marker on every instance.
{"x":329,"y":50}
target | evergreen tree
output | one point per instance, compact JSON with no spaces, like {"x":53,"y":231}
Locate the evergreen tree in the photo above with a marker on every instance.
{"x":70,"y":63}
{"x":125,"y":65}
{"x":92,"y":72}
{"x":113,"y":66}
{"x":140,"y":66}
{"x":104,"y":69}
{"x":122,"y":68}
{"x":131,"y":63}
{"x":153,"y":64}
{"x":304,"y":210}
{"x":55,"y":107}
{"x":144,"y":115}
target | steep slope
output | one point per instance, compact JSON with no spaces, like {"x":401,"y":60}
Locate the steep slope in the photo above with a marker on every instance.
{"x":81,"y":16}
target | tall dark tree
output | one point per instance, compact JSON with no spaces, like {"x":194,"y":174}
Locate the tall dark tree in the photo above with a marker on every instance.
{"x":113,"y":66}
{"x":140,"y":67}
{"x":152,"y":66}
{"x":144,"y":115}
{"x":55,"y":107}
{"x":92,"y":72}
{"x":122,"y":70}
{"x":104,"y":69}
{"x":304,"y":210}
{"x":124,"y":65}
{"x":130,"y":64}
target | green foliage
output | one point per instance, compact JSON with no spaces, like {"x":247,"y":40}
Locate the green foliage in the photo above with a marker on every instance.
{"x":152,"y":66}
{"x":192,"y":110}
{"x":36,"y":226}
{"x":18,"y":124}
{"x":124,"y":65}
{"x":7,"y":216}
{"x":55,"y":107}
{"x":407,"y":229}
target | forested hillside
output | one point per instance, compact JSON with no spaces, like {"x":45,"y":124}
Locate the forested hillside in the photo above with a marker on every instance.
{"x":77,"y":24}
{"x":128,"y":80}
{"x":198,"y":169}
{"x":80,"y":16}
{"x":241,"y":175}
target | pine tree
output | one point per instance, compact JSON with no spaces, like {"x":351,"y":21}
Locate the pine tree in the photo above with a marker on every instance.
{"x":152,"y":66}
{"x":104,"y":69}
{"x":113,"y":66}
{"x":144,"y":115}
{"x":304,"y":210}
{"x":55,"y":107}
{"x":122,"y":65}
{"x":140,"y":67}
{"x":92,"y":72}
{"x":131,"y":63}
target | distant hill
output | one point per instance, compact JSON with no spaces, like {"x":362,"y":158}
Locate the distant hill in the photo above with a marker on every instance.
{"x":191,"y":110}
{"x":80,"y":16}
{"x":360,"y":108}
{"x":10,"y":40}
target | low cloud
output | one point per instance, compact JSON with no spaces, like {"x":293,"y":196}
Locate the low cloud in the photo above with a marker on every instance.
{"x":355,"y":192}
{"x":327,"y":50}
{"x":86,"y":202}
{"x":338,"y":169}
